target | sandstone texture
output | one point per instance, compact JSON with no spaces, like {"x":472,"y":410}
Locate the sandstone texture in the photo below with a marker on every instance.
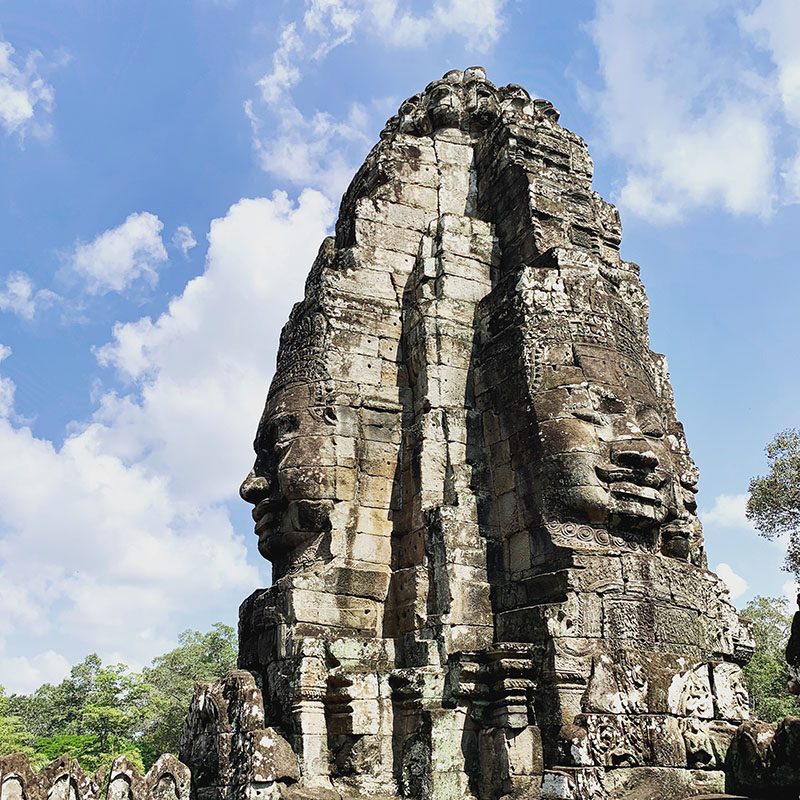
{"x":167,"y":779}
{"x":489,"y":577}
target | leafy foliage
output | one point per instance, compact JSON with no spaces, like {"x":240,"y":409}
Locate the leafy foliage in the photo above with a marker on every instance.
{"x":767,"y":673}
{"x":774,"y":504}
{"x":102,"y":711}
{"x":14,"y":738}
{"x":198,"y":657}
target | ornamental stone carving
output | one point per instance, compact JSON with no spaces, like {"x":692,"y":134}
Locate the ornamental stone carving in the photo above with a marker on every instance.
{"x":489,"y":577}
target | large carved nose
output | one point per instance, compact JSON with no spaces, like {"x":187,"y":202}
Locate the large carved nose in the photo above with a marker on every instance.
{"x":254,"y":488}
{"x":634,"y":455}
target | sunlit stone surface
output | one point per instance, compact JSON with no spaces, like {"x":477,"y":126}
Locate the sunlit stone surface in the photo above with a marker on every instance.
{"x":489,"y":575}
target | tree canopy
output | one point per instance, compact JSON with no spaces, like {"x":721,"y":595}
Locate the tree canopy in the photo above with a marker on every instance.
{"x":767,"y":674}
{"x":100,"y":711}
{"x":774,"y":503}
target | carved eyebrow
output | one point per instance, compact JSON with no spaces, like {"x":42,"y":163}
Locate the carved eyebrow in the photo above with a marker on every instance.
{"x":644,"y":411}
{"x":287,"y":423}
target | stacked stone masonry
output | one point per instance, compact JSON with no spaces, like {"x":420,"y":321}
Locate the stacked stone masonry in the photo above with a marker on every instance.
{"x":489,"y":574}
{"x":489,"y":577}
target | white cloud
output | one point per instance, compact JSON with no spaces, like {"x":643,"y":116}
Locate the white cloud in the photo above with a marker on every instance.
{"x":478,"y":22}
{"x":791,"y":179}
{"x":183,"y":239}
{"x":736,"y":584}
{"x":334,"y":21}
{"x":728,"y":511}
{"x":684,"y":108}
{"x":202,"y":366}
{"x":774,"y":24}
{"x":28,"y":674}
{"x":26,"y":99}
{"x":121,"y":255}
{"x":285,"y":73}
{"x":7,"y":387}
{"x":108,"y":549}
{"x":20,"y":298}
{"x":113,"y":536}
{"x":316,"y":149}
{"x":319,"y":151}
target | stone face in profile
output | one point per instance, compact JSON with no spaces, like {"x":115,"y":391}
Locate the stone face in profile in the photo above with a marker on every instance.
{"x":489,"y":574}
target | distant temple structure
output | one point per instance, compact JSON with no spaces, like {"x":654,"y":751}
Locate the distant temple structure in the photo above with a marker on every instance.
{"x":489,"y":578}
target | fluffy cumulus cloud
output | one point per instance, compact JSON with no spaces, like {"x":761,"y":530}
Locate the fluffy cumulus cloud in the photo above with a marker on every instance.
{"x":736,"y":584}
{"x":7,"y":388}
{"x":317,"y":150}
{"x":20,"y":296}
{"x":118,"y":257}
{"x":183,"y":239}
{"x":728,"y":511}
{"x":119,"y":531}
{"x":689,"y":106}
{"x":477,"y":22}
{"x":774,"y":25}
{"x":30,"y":673}
{"x":320,"y":150}
{"x":200,"y":369}
{"x":26,"y":99}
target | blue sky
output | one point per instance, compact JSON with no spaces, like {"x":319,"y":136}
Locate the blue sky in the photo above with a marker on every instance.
{"x":168,"y":171}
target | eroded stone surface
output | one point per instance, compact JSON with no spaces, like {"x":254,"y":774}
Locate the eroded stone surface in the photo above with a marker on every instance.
{"x":63,"y":779}
{"x":478,"y":501}
{"x":228,"y":748}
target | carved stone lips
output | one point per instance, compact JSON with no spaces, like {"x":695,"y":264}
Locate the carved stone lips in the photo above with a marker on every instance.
{"x":633,"y":491}
{"x":264,"y":514}
{"x":615,"y":474}
{"x":629,"y":484}
{"x":678,"y":527}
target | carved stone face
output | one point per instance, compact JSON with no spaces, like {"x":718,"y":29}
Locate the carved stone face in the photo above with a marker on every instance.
{"x":515,"y":98}
{"x":293,"y":481}
{"x":607,"y":453}
{"x":609,"y":450}
{"x":409,"y":115}
{"x":481,"y":102}
{"x":445,"y":104}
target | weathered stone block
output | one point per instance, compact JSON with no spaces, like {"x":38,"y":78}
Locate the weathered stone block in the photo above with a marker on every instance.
{"x":476,"y":494}
{"x":651,"y":782}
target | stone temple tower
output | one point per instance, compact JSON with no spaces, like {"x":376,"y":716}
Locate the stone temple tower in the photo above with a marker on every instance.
{"x":489,"y":575}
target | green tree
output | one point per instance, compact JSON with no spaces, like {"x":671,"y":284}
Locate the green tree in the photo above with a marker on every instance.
{"x":101,"y":711}
{"x":198,"y":657}
{"x":95,"y":714}
{"x":86,"y":750}
{"x":774,"y":503}
{"x":14,"y":738}
{"x":767,"y":673}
